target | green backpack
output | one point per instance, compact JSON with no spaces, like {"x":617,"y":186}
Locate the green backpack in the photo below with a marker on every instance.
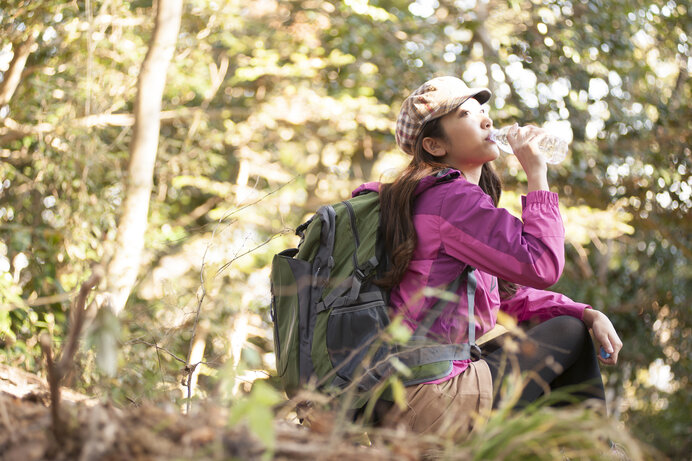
{"x":329,"y":315}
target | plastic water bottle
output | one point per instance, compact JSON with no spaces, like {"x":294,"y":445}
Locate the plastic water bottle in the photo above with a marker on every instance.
{"x":551,"y":147}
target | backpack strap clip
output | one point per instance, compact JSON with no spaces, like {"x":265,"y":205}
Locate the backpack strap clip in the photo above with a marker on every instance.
{"x":476,"y":353}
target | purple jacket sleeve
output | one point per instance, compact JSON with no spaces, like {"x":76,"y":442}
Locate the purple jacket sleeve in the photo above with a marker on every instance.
{"x":529,"y":251}
{"x":529,"y":303}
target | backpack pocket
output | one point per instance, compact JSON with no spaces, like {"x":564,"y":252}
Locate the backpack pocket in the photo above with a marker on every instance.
{"x":354,"y":339}
{"x":290,"y":291}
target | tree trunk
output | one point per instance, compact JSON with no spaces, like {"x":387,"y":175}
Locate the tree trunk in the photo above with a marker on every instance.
{"x":13,"y":75}
{"x":124,"y":265}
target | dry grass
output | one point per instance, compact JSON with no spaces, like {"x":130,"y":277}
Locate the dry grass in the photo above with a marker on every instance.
{"x":100,"y":431}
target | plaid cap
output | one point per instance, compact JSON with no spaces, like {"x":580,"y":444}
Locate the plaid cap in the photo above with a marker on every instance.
{"x":433,"y":99}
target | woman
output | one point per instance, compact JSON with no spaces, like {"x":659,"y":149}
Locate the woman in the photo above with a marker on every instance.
{"x":441,"y":215}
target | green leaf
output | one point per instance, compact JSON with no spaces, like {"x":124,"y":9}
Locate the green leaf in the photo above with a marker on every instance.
{"x":6,"y":325}
{"x":256,"y":410}
{"x":399,"y":393}
{"x":399,"y":332}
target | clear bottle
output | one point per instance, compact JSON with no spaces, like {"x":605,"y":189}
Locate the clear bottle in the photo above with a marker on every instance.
{"x":552,"y":148}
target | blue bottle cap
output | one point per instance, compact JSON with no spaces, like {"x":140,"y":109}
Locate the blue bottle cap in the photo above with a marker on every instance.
{"x":604,"y":354}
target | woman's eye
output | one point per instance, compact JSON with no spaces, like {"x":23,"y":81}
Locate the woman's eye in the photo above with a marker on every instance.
{"x":463,"y":113}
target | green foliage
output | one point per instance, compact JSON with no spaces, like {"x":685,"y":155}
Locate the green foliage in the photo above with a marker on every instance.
{"x":274,"y":109}
{"x":540,"y":432}
{"x":256,"y":411}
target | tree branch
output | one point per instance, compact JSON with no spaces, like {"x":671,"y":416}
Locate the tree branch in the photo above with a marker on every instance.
{"x":583,"y":260}
{"x":491,"y":56}
{"x":107,"y":119}
{"x":187,"y":219}
{"x":14,"y":130}
{"x":13,"y":76}
{"x":159,"y":348}
{"x":77,"y":317}
{"x":54,"y":385}
{"x":56,"y":371}
{"x":44,"y":300}
{"x":675,"y":96}
{"x":482,"y":36}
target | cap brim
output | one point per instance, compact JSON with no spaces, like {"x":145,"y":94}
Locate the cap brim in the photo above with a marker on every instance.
{"x":482,"y":95}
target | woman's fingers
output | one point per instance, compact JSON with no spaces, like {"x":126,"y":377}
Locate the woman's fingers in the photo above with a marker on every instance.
{"x":608,"y":338}
{"x":522,"y":135}
{"x":525,"y":144}
{"x":606,"y":352}
{"x":616,"y":344}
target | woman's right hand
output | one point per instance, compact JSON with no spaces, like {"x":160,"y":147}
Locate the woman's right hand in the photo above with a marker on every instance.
{"x":524,"y":141}
{"x":604,"y":333}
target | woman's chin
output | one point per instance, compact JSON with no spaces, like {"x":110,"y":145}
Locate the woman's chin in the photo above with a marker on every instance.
{"x":494,"y":155}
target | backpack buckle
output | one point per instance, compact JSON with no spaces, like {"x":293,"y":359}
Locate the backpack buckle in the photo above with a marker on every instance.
{"x":476,"y":352}
{"x":359,"y":274}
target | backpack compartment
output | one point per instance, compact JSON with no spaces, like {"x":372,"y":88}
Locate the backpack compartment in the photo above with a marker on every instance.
{"x":290,"y":293}
{"x":354,"y":339}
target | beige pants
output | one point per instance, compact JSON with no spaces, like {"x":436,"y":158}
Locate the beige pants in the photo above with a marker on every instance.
{"x":449,"y":409}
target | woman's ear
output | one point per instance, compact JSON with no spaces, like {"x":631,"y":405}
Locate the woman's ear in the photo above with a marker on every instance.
{"x":434,"y":146}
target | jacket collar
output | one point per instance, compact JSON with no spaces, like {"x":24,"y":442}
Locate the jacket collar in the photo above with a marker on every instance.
{"x":446,"y":175}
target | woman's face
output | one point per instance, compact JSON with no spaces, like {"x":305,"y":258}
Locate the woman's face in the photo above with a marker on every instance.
{"x":467,"y":143}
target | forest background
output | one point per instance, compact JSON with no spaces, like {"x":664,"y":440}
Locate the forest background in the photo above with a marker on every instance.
{"x":272,"y":108}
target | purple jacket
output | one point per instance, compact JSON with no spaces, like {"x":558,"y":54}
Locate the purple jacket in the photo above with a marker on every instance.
{"x":457,"y":224}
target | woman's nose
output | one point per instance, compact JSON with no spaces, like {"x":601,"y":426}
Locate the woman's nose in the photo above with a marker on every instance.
{"x":486,"y":122}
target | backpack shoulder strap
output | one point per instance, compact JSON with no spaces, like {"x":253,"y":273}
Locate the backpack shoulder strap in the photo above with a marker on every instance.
{"x":421,"y":351}
{"x":436,"y":310}
{"x":471,"y":299}
{"x":321,"y":268}
{"x":349,"y":290}
{"x":323,"y":262}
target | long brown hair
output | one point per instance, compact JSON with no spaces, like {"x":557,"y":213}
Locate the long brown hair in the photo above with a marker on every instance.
{"x":397,"y":202}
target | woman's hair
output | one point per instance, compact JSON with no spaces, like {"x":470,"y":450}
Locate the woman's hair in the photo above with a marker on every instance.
{"x":397,"y":202}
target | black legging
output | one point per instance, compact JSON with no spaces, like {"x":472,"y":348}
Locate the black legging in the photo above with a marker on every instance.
{"x":574,"y":363}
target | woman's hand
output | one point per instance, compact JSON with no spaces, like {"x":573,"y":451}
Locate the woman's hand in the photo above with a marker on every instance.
{"x":524,"y":141}
{"x":605,"y":334}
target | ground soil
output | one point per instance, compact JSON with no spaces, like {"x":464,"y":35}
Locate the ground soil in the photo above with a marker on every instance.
{"x":94,"y":430}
